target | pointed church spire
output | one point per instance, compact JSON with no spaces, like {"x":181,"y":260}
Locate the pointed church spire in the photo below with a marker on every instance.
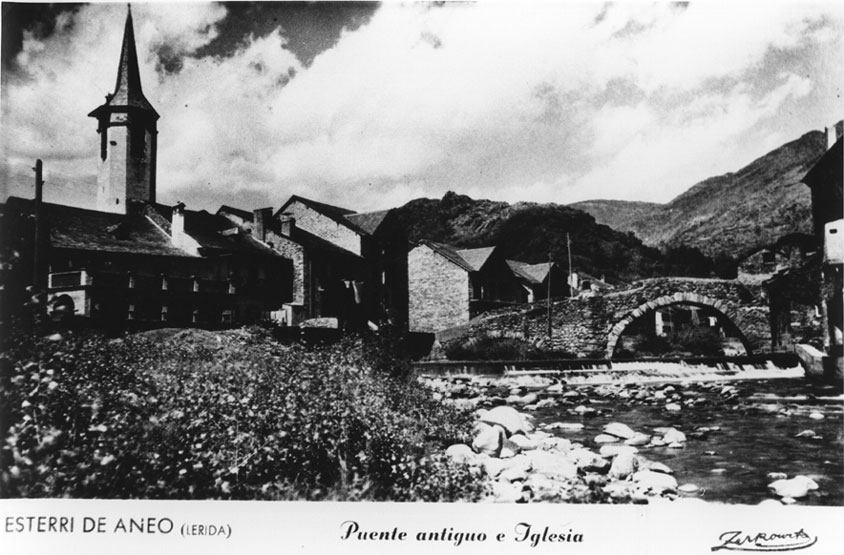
{"x":127,"y":89}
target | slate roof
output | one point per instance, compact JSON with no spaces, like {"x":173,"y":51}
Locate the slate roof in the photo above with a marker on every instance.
{"x":476,"y":258}
{"x":368,"y":221}
{"x":313,"y":242}
{"x":471,"y":260}
{"x":336,"y":213}
{"x":78,"y":228}
{"x":127,"y":90}
{"x":532,"y":273}
{"x":208,"y":230}
{"x":245,"y":215}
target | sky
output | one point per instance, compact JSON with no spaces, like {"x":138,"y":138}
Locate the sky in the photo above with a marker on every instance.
{"x":368,"y":106}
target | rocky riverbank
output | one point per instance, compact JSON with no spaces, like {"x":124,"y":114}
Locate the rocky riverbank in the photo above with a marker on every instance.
{"x":526,"y":460}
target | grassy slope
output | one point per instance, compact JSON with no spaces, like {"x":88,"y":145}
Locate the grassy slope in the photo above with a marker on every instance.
{"x":734,"y":213}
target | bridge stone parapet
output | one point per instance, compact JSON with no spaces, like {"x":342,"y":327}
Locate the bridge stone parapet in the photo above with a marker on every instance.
{"x":592,"y":326}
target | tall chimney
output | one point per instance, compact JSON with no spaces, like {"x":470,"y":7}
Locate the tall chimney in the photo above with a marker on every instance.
{"x":260,"y":219}
{"x":177,"y":224}
{"x":831,"y":136}
{"x":288,"y":222}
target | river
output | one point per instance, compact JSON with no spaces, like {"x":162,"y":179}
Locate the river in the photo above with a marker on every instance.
{"x":753,"y":432}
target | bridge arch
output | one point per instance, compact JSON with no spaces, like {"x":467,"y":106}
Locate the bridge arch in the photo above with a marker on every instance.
{"x":726,"y":310}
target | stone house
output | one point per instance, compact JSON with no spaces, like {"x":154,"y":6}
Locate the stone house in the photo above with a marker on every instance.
{"x":581,"y":283}
{"x":790,"y":251}
{"x":447,"y":286}
{"x":537,"y":278}
{"x":825,"y":181}
{"x":348,"y":267}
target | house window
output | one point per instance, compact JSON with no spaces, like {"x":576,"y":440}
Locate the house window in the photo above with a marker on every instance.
{"x":130,"y":315}
{"x":131,"y":281}
{"x":232,"y":289}
{"x":163,"y":313}
{"x":383,"y":278}
{"x":195,"y":316}
{"x":195,"y":285}
{"x":164,"y":283}
{"x":227,"y":317}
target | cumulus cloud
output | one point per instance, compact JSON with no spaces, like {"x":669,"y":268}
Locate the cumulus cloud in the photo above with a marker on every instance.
{"x":541,"y":102}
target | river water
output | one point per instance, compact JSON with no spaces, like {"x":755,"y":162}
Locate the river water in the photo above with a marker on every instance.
{"x":755,"y":433}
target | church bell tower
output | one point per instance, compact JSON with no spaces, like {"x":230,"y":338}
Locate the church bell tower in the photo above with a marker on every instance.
{"x":126,"y":124}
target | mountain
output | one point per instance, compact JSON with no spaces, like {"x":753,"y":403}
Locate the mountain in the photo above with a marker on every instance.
{"x":530,"y":232}
{"x":731,"y":214}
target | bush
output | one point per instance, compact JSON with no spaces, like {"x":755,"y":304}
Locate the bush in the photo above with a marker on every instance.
{"x":233,"y":415}
{"x":688,"y":340}
{"x":487,"y":347}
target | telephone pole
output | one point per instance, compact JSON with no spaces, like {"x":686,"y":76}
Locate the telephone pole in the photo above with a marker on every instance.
{"x":568,"y":248}
{"x":548,"y":296}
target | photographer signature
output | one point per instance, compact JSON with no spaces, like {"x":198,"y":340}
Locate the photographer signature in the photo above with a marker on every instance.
{"x":765,"y":541}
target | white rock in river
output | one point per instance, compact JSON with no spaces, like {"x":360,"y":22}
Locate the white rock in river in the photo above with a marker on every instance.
{"x":776,"y":476}
{"x":505,"y":492}
{"x":815,"y":415}
{"x":605,"y":438}
{"x":523,"y":443}
{"x":460,"y":453}
{"x":555,"y":444}
{"x":799,"y":486}
{"x":611,"y":450}
{"x":514,"y":474}
{"x":489,"y":441}
{"x":659,"y":467}
{"x":623,"y":465}
{"x":673,"y":407}
{"x":638,"y":439}
{"x":688,"y":488}
{"x":546,"y":403}
{"x":555,"y":388}
{"x":656,"y":481}
{"x":565,"y":426}
{"x":672,"y":435}
{"x":509,"y":449}
{"x":585,"y":411}
{"x":551,"y":464}
{"x":508,"y":418}
{"x":619,"y":430}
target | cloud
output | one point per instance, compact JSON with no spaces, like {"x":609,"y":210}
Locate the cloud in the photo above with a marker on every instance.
{"x":546,"y":102}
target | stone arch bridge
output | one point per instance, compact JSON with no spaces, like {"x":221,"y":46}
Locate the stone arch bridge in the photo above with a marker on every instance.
{"x":592,"y":326}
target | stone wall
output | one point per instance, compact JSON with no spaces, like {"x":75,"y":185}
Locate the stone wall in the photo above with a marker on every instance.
{"x":296,"y":253}
{"x":591,"y":326}
{"x":438,"y":291}
{"x":324,"y":227}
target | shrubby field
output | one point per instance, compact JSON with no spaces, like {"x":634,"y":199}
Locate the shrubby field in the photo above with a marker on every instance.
{"x":192,"y":414}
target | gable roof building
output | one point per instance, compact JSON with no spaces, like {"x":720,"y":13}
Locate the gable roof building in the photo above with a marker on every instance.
{"x":448,"y":286}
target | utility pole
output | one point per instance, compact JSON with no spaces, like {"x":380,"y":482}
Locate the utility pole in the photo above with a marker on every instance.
{"x":568,"y":248}
{"x":548,"y":296}
{"x":39,"y":281}
{"x":37,"y":253}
